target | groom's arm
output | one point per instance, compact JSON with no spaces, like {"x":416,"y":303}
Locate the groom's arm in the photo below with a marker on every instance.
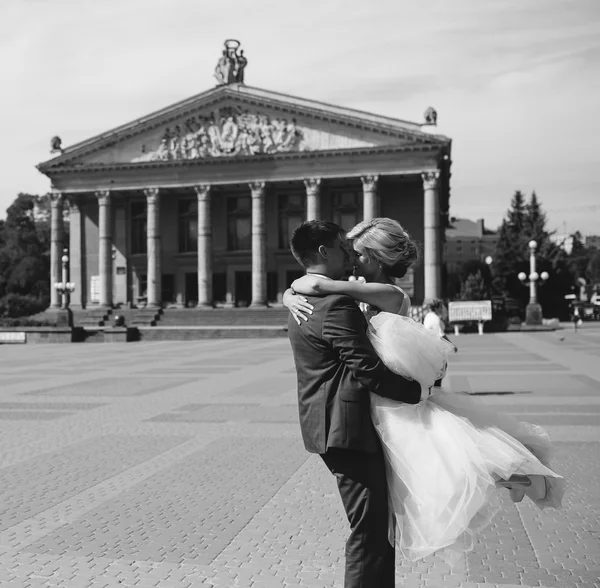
{"x":344,"y":328}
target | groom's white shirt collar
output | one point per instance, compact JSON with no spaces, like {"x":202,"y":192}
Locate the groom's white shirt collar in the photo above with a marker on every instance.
{"x":320,"y":276}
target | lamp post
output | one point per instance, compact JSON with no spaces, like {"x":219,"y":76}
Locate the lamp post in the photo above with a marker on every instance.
{"x":533,"y":312}
{"x":64,"y":288}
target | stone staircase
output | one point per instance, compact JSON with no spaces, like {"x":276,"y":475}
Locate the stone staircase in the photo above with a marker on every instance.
{"x":144,"y":324}
{"x":224,"y":317}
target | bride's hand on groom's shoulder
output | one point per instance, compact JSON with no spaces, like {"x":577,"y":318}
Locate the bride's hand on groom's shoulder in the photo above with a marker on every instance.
{"x":298,"y":305}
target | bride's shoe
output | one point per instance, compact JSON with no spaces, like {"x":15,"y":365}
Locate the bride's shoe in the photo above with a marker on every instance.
{"x":538,"y":489}
{"x":516,"y":486}
{"x":534,"y":486}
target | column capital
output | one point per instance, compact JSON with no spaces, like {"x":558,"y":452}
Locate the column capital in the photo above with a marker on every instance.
{"x":103,"y":197}
{"x":369,"y":182}
{"x":313,"y":185}
{"x":430,"y":179}
{"x":202,"y":191}
{"x":257,"y":189}
{"x":56,"y":199}
{"x":152,"y":195}
{"x":74,"y":202}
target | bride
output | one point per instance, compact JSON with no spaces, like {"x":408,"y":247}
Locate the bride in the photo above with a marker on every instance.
{"x":447,"y":455}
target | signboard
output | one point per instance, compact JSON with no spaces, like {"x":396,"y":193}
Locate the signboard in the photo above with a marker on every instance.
{"x":470,"y":310}
{"x":94,"y":288}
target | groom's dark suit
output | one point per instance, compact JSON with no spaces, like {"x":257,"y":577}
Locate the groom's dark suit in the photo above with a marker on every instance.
{"x":337,"y":368}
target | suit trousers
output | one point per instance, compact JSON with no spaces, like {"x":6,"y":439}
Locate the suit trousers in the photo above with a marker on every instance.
{"x":361,"y":480}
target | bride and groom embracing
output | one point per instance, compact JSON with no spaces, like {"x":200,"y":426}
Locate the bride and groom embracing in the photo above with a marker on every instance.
{"x":416,"y":471}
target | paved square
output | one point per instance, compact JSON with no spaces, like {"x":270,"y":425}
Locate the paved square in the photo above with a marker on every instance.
{"x":180,"y":464}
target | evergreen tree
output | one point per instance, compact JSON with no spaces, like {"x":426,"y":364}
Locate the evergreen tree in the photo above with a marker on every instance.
{"x":579,"y":258}
{"x":510,"y":250}
{"x":593,"y":269}
{"x":534,"y":224}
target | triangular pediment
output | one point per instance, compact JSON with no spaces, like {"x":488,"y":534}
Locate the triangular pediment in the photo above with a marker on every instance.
{"x":238,"y":121}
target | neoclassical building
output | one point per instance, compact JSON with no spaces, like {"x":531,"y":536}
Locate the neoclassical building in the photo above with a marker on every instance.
{"x":193,"y":205}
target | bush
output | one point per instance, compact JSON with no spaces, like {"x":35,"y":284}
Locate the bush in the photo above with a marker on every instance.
{"x":21,"y":305}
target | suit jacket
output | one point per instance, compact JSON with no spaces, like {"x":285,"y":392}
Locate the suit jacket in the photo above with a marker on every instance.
{"x":337,"y":367}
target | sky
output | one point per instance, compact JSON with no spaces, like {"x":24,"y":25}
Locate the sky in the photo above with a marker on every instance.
{"x":516,"y":83}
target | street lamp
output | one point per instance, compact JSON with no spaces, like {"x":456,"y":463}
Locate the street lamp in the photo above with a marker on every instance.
{"x":64,"y":288}
{"x":533,"y":312}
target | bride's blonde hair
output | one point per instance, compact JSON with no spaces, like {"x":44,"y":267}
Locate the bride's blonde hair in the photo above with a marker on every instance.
{"x":386,"y":242}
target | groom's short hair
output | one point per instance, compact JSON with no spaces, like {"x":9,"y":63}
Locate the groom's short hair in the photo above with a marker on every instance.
{"x":309,"y":236}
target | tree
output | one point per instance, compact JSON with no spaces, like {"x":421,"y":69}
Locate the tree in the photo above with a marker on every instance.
{"x":534,"y":225}
{"x":24,"y":260}
{"x":475,"y":288}
{"x":523,"y":223}
{"x":511,"y":246}
{"x":593,"y":268}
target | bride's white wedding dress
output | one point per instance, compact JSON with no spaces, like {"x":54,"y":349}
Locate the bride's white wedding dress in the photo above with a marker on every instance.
{"x":445,"y":454}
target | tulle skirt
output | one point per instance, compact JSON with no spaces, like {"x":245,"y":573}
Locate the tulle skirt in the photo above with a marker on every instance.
{"x":445,"y":454}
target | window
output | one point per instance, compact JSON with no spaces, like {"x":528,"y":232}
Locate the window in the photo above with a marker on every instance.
{"x":239,"y":223}
{"x":474,"y":250}
{"x":345,"y":209}
{"x":188,"y":225}
{"x":459,"y":249}
{"x":291,"y":214}
{"x":168,"y":288}
{"x":139,"y":223}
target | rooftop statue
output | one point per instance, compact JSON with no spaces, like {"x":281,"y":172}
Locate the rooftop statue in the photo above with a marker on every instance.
{"x":56,"y":145}
{"x":231,"y":65}
{"x":430,"y":116}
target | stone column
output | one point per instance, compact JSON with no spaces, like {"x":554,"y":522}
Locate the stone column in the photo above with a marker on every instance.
{"x":313,"y":195}
{"x":369,"y":197}
{"x":259,"y":246}
{"x":204,"y":247}
{"x":105,"y":264}
{"x":431,"y":237}
{"x":154,"y":252}
{"x":76,"y":241}
{"x":56,"y":245}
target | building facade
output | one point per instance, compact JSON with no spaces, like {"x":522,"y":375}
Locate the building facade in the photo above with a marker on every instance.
{"x":194,"y":205}
{"x":467,"y":240}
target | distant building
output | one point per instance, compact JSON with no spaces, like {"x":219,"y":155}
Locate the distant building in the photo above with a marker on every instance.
{"x":592,"y":241}
{"x":467,"y":240}
{"x":564,"y":241}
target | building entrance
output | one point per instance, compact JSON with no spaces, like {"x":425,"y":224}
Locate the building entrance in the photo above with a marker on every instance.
{"x":243,"y":288}
{"x":191,"y":289}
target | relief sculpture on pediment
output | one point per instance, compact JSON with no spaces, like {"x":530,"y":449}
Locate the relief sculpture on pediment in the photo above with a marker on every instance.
{"x":227,"y":133}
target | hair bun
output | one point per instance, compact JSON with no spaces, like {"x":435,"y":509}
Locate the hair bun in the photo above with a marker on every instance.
{"x":398,"y":270}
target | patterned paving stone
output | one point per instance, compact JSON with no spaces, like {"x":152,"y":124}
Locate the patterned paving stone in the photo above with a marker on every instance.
{"x":50,"y":405}
{"x":117,"y":386}
{"x":31,"y":415}
{"x":205,"y":510}
{"x":64,"y":473}
{"x":187,"y":513}
{"x":223,"y":413}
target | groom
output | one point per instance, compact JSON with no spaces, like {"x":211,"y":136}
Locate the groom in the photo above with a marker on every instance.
{"x":337,"y":368}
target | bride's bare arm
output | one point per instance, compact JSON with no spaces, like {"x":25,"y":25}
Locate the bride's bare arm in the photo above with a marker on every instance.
{"x":297,"y":304}
{"x":384,"y":296}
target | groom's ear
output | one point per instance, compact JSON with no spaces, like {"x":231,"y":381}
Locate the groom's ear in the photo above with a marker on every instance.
{"x":322,"y":251}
